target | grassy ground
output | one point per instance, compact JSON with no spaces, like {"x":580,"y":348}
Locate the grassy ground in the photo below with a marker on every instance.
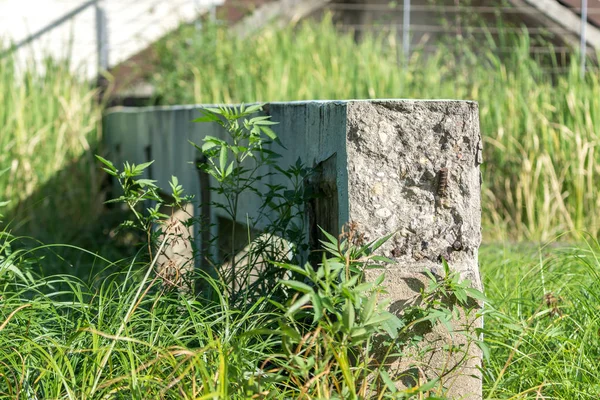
{"x":49,"y":132}
{"x":120,"y":336}
{"x":545,"y":338}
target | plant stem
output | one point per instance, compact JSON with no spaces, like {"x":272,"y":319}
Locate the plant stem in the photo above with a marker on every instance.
{"x":132,"y":306}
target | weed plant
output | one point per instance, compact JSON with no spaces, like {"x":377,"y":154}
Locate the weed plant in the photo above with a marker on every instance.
{"x":540,"y":129}
{"x":128,"y":337}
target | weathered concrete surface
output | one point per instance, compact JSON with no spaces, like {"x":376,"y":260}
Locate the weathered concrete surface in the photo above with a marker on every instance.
{"x":459,"y":373}
{"x":381,"y":165}
{"x":396,"y":151}
{"x":175,"y":262}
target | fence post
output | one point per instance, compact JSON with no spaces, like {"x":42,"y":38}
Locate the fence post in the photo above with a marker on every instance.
{"x":583,"y":45}
{"x":101,"y":35}
{"x":406,"y":31}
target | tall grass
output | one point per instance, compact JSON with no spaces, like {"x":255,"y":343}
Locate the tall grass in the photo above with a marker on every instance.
{"x":49,"y":129}
{"x":545,"y":337}
{"x":540,"y":130}
{"x":52,"y":344}
{"x":131,"y":335}
{"x":125,"y":337}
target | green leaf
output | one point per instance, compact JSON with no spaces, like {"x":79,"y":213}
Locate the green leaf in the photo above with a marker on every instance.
{"x":378,"y":319}
{"x":368,"y":308}
{"x":223,"y":159}
{"x":110,"y":172}
{"x":156,"y":214}
{"x":12,"y":268}
{"x":351,"y":282}
{"x":256,"y":120}
{"x":209,"y":138}
{"x":348,"y":316}
{"x":291,"y":267}
{"x":215,"y":175}
{"x":207,"y":146}
{"x":299,"y":286}
{"x":107,"y":163}
{"x":461,"y":296}
{"x":331,"y":247}
{"x":206,"y":118}
{"x":254,"y":108}
{"x":214,"y":110}
{"x":476,"y":294}
{"x":383,"y":259}
{"x":392,"y":325}
{"x":428,"y":386}
{"x":269,"y":132}
{"x":298,"y":304}
{"x":514,"y":327}
{"x":317,"y":307}
{"x":146,"y":182}
{"x":328,"y":304}
{"x":379,"y":242}
{"x":391,"y":386}
{"x":138,"y":169}
{"x":360,"y":333}
{"x":290,"y":332}
{"x":484,"y":349}
{"x":364,"y":287}
{"x":331,"y":238}
{"x":265,"y":122}
{"x":446,"y":267}
{"x":229,"y":169}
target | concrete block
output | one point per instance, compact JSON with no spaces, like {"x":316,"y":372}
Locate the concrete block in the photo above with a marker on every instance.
{"x":405,"y":166}
{"x":413,"y":168}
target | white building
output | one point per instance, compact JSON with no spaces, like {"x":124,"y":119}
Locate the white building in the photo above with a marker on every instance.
{"x":91,"y":32}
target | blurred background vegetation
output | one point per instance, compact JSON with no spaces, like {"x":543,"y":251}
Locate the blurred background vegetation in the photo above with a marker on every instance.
{"x":49,"y":129}
{"x":539,"y":116}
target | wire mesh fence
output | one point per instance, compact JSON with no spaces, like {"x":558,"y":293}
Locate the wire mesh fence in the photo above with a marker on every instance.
{"x":555,"y":34}
{"x":553,"y":27}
